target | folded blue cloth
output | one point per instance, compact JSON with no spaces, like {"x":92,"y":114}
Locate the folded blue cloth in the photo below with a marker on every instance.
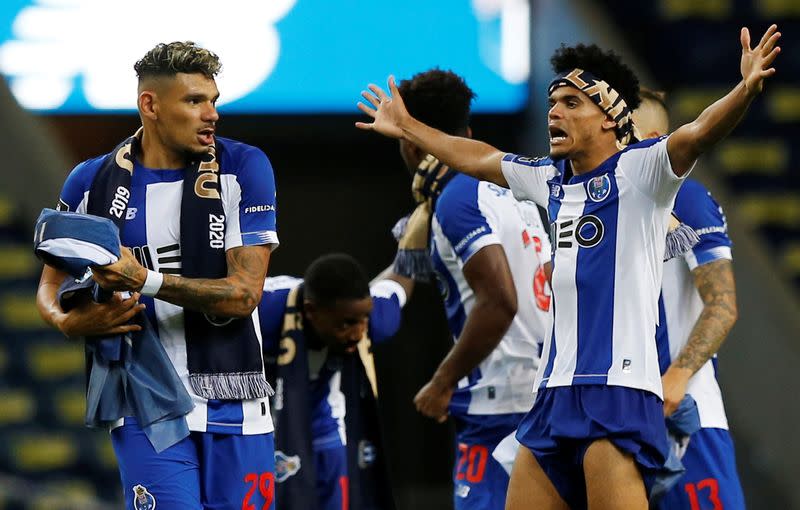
{"x":681,"y":424}
{"x":129,"y":375}
{"x":72,"y":242}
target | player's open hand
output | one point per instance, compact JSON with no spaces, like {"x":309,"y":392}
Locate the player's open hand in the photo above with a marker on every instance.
{"x":387,"y":111}
{"x":100,"y":319}
{"x":756,"y":62}
{"x":432,"y":400}
{"x":124,"y":274}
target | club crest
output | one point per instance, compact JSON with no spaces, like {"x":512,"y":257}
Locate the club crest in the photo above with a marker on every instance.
{"x":286,"y":466}
{"x":143,"y":500}
{"x":598,"y":187}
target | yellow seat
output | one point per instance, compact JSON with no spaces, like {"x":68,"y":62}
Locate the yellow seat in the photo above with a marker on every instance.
{"x":790,"y":258}
{"x":687,"y":104}
{"x":65,"y":494}
{"x":16,"y":407}
{"x":709,"y":9}
{"x":19,"y":311}
{"x":771,"y":209}
{"x":71,"y":406}
{"x":41,"y":452}
{"x":772,"y":9}
{"x":783,"y":104}
{"x":56,"y":361}
{"x":18,"y":262}
{"x":767,"y":157}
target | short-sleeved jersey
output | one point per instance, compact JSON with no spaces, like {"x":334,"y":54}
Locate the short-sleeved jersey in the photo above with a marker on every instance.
{"x":680,"y":305}
{"x":152,"y":232}
{"x":327,"y":399}
{"x":608,"y":229}
{"x":470,"y":215}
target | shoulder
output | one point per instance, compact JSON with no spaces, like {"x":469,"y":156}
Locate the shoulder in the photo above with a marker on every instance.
{"x":459,"y":197}
{"x":695,"y":206}
{"x":238,"y":156}
{"x":281,"y":283}
{"x":543,"y":161}
{"x":79,"y":181}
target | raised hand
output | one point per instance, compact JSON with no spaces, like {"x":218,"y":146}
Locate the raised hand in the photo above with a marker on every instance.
{"x":388,"y":112}
{"x":756,"y":62}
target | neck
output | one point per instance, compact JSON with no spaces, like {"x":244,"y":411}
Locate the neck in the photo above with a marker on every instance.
{"x":586,"y":162}
{"x":154,"y":154}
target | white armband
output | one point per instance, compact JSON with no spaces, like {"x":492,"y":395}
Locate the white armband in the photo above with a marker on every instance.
{"x":152,"y":284}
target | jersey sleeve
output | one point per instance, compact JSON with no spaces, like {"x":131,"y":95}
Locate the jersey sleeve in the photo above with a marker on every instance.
{"x":648,"y":167}
{"x":388,"y":299}
{"x":75,"y":191}
{"x":527,"y":177}
{"x":695,"y":206}
{"x":271,"y":310}
{"x":251,"y":203}
{"x":464,"y":218}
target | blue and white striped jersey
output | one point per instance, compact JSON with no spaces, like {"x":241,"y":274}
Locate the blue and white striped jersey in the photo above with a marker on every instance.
{"x":470,"y":215}
{"x":680,"y":304}
{"x":152,"y":231}
{"x":608,"y":229}
{"x":327,"y":400}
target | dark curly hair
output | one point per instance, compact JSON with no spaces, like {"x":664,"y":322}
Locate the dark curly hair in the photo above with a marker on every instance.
{"x":440,"y":99}
{"x":606,"y":65}
{"x":177,"y":57}
{"x":335,"y":276}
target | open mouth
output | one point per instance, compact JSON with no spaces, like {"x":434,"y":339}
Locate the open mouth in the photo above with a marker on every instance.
{"x":557,"y":135}
{"x":206,"y":136}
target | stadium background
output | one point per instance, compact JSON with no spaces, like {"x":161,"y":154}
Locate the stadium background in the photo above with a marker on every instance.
{"x":341,"y":190}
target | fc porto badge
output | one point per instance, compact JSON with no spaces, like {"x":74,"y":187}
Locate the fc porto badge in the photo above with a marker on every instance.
{"x":598,"y":187}
{"x":285,"y":466}
{"x":143,"y":500}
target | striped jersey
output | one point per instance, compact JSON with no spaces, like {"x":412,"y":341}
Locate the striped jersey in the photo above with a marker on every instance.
{"x":327,"y":404}
{"x":468,"y":216}
{"x":608,"y":229}
{"x":680,"y":304}
{"x":152,"y":232}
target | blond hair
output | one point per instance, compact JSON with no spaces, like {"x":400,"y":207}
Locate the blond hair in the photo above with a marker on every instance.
{"x":169,"y":59}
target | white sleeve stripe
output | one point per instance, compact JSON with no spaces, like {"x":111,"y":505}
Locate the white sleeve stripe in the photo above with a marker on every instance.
{"x":707,"y":256}
{"x":388,"y":288}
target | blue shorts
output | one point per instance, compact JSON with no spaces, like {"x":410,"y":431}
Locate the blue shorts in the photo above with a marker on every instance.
{"x":480,"y":482}
{"x":332,"y":480}
{"x":204,"y":471}
{"x":710,"y":481}
{"x":566,"y":420}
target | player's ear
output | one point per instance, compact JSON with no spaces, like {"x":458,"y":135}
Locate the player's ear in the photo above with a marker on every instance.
{"x":609,"y":124}
{"x":148,"y":104}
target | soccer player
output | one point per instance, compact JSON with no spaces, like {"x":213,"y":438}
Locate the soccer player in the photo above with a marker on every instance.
{"x":697,"y":310}
{"x":596,"y":432}
{"x":323,"y":318}
{"x":198,"y":212}
{"x":491,"y":255}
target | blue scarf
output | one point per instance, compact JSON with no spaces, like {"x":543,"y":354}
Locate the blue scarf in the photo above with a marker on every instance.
{"x":127,"y":375}
{"x":223,"y":355}
{"x":368,"y":486}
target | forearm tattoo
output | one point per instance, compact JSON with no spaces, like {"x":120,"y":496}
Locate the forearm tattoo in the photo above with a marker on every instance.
{"x":715,"y":283}
{"x":235,"y":295}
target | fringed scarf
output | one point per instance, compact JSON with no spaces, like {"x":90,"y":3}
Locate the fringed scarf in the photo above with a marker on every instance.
{"x":223,"y":355}
{"x":413,"y":232}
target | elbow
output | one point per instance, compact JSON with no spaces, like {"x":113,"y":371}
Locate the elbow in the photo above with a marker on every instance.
{"x":244,"y":303}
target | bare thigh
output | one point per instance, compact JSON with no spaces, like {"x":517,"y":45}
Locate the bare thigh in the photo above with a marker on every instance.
{"x":530,"y":487}
{"x":613,"y":480}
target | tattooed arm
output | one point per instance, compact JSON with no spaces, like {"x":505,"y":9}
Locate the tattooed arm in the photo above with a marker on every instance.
{"x":236,"y":295}
{"x":714,"y":281}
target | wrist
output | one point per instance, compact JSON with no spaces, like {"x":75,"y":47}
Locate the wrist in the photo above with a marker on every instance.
{"x":152,"y":283}
{"x":443,"y":380}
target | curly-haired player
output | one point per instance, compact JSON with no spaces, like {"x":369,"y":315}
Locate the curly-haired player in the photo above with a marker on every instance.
{"x":596,"y":433}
